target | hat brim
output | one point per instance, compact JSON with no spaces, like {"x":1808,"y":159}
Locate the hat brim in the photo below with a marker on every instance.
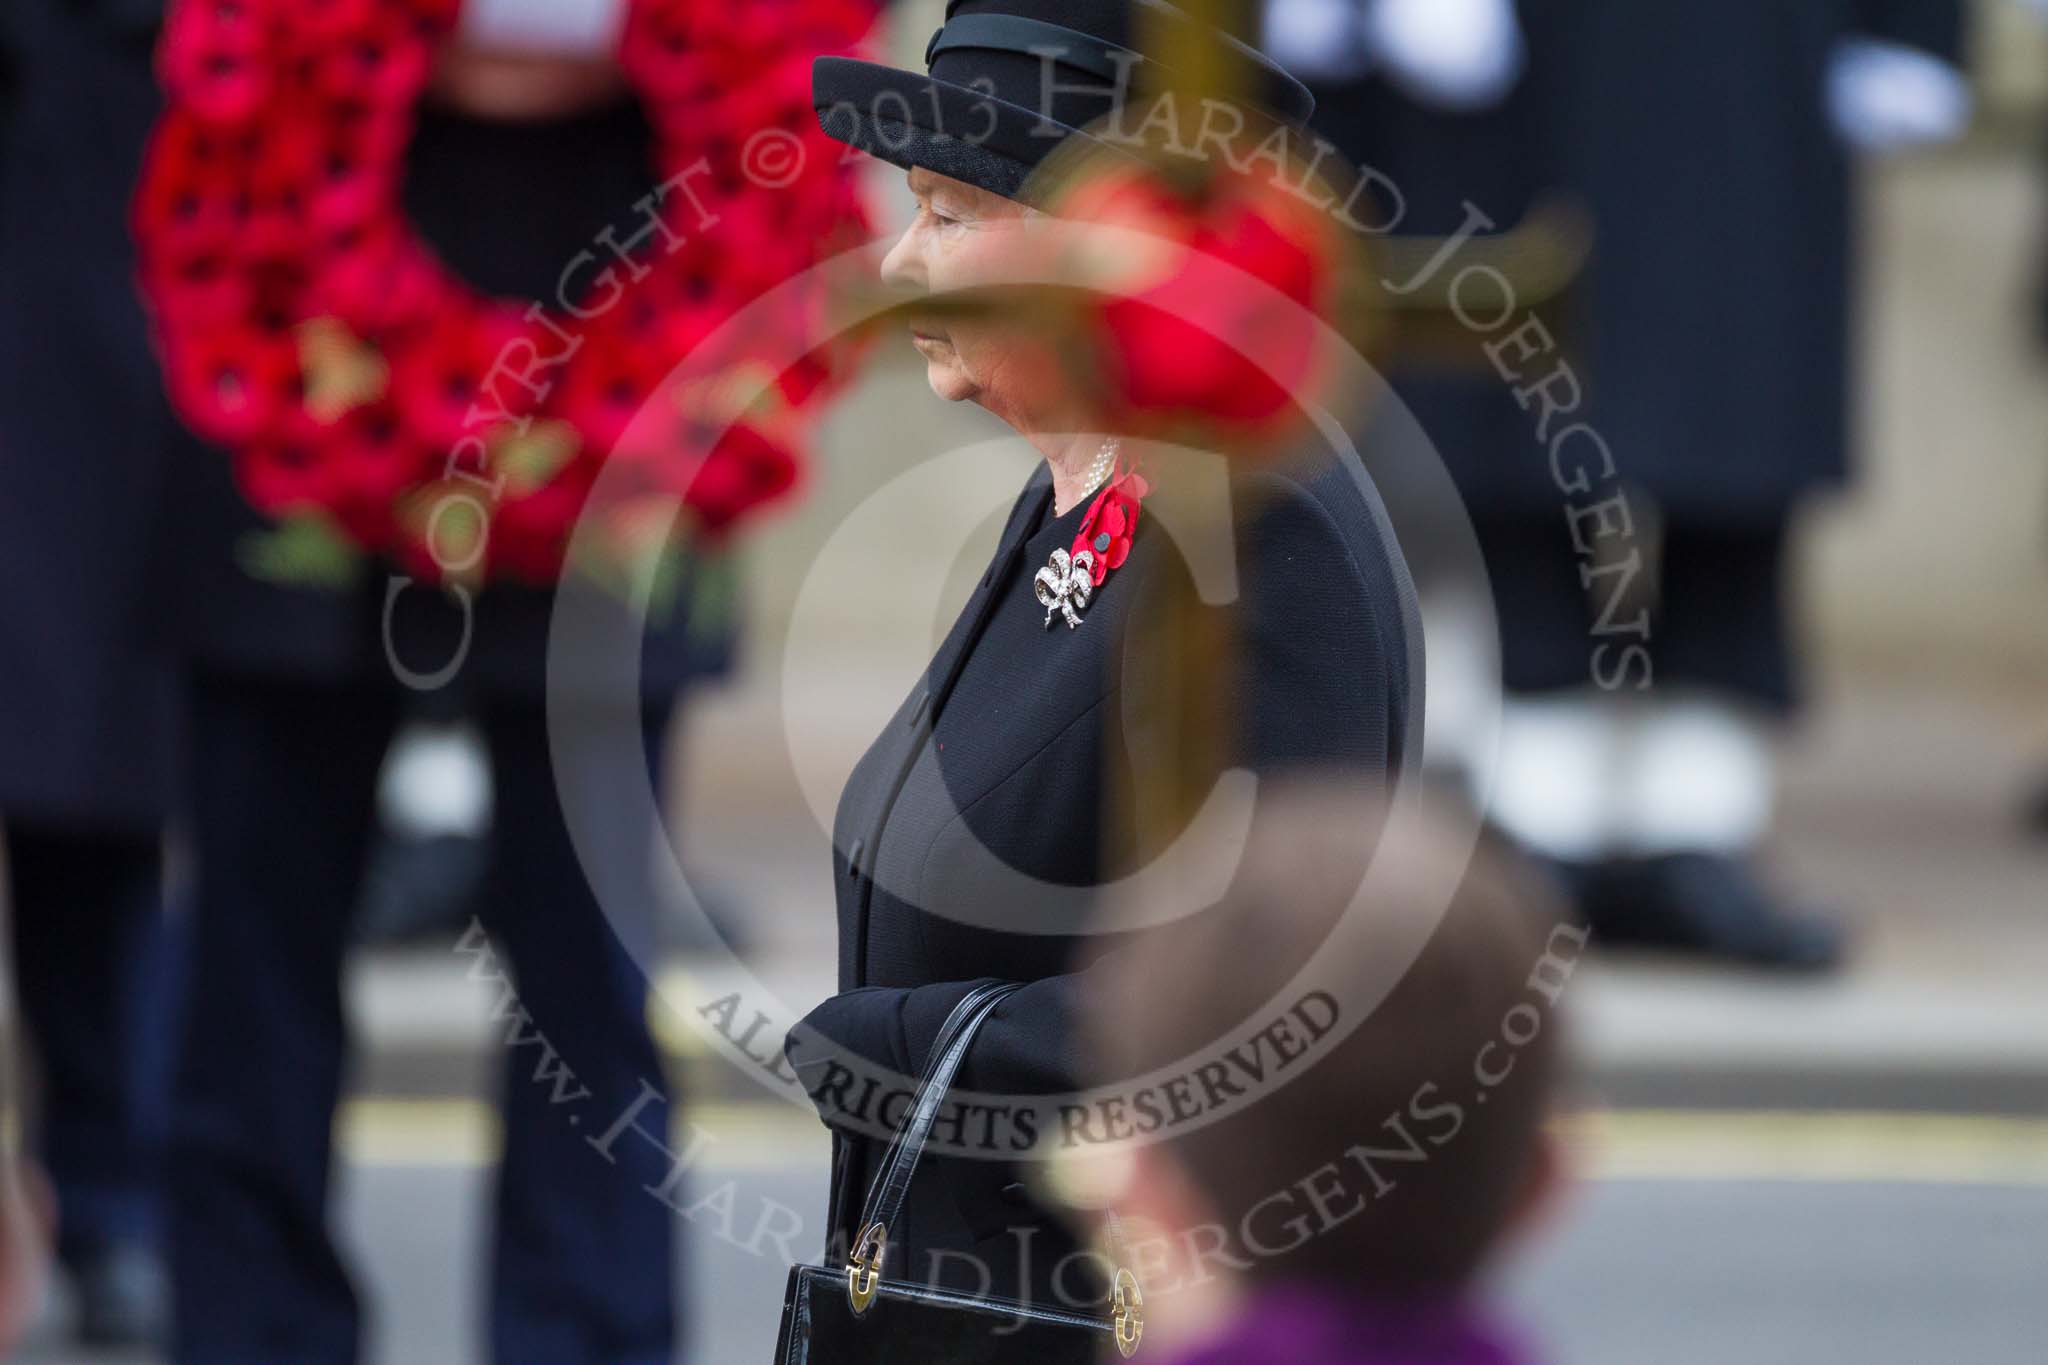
{"x":911,"y":119}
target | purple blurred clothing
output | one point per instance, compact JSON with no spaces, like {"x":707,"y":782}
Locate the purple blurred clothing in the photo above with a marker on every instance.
{"x":1319,"y":1327}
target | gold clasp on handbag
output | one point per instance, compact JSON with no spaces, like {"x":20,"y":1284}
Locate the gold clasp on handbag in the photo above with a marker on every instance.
{"x":1128,"y":1313}
{"x":864,"y":1268}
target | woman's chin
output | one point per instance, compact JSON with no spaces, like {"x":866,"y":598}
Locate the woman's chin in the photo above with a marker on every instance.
{"x":947,"y":380}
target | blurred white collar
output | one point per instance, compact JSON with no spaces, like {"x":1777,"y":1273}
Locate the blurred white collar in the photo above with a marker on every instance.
{"x":545,"y":28}
{"x":1455,"y":54}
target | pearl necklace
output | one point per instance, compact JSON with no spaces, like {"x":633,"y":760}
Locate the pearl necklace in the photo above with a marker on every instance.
{"x":1098,"y":472}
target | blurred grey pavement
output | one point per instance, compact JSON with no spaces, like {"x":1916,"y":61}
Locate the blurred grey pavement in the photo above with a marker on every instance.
{"x":1687,"y":1269}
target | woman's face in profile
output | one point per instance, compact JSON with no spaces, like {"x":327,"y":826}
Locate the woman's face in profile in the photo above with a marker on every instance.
{"x":956,"y":240}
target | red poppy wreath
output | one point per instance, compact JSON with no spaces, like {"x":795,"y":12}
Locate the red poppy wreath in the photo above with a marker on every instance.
{"x":357,"y":382}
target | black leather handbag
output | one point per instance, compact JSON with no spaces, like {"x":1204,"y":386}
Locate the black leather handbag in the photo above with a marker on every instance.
{"x":850,"y":1315}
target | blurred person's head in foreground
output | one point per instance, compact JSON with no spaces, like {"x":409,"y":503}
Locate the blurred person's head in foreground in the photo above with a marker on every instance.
{"x":1347,"y":1214}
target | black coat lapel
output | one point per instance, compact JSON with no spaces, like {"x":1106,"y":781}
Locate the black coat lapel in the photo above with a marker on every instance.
{"x":952,"y":654}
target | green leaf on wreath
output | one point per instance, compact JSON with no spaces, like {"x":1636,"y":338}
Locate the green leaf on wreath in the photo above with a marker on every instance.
{"x":714,"y":594}
{"x":529,"y":458}
{"x":303,"y":550}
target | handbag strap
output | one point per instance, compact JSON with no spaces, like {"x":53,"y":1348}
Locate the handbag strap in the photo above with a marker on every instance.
{"x":892,"y":1181}
{"x":892,"y":1178}
{"x":924,"y":1083}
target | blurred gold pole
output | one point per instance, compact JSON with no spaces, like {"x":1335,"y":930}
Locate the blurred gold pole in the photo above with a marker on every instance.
{"x":1192,"y":647}
{"x":1183,"y":47}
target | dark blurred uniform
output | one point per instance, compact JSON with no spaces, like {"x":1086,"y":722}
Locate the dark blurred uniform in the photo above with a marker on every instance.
{"x":1711,"y":333}
{"x":295,"y":702}
{"x":87,"y":707}
{"x":2036,"y":810}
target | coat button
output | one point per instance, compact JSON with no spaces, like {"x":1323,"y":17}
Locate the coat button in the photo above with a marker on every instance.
{"x":1016,"y":1193}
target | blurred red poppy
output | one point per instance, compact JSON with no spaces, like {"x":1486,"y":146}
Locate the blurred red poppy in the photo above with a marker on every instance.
{"x":211,"y":58}
{"x":231,"y":384}
{"x":745,"y":468}
{"x":1221,"y":325}
{"x":449,"y":380}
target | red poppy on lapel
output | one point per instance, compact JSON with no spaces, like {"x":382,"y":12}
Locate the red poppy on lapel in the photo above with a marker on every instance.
{"x":1110,"y":522}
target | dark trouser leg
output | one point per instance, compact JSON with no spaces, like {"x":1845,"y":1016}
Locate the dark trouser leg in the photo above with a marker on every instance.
{"x":584,"y":1254}
{"x":1539,"y":602}
{"x":283,"y":778}
{"x":1715,"y":593}
{"x":1721,"y":613}
{"x":91,"y":965}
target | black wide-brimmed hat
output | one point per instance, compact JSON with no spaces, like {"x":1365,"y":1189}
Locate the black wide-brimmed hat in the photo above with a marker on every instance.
{"x":1010,"y":80}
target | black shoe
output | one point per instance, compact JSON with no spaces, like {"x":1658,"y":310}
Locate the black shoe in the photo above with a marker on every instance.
{"x":1708,"y":905}
{"x":123,"y":1298}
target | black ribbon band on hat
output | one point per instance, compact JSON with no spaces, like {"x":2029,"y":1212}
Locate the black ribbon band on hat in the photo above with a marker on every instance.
{"x":1033,"y":37}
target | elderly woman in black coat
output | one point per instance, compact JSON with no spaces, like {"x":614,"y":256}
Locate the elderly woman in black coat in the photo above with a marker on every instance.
{"x":986,"y":809}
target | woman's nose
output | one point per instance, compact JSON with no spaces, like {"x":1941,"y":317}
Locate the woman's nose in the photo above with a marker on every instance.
{"x":904,"y":265}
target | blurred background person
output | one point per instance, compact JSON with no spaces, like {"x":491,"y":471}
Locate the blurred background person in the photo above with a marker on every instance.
{"x":528,"y":147}
{"x":26,"y":1215}
{"x":1646,"y":644}
{"x":87,"y":697}
{"x":24,"y":1242}
{"x":2036,"y":808}
{"x":1354,"y":1212}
